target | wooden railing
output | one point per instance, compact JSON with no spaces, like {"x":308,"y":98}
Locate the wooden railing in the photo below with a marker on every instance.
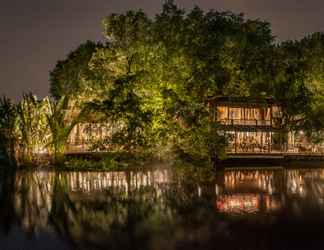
{"x":305,"y":148}
{"x":297,"y":149}
{"x":233,"y":122}
{"x":248,"y":148}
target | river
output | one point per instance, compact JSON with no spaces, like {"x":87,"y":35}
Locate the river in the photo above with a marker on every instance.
{"x":163,"y":208}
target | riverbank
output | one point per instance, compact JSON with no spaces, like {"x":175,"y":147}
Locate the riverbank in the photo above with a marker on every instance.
{"x":252,"y":162}
{"x":117,"y":161}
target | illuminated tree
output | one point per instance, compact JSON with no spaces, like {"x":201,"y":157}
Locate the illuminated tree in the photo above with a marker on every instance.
{"x":69,"y":77}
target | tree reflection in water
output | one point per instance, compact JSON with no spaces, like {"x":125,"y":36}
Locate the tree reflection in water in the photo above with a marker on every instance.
{"x":186,"y":208}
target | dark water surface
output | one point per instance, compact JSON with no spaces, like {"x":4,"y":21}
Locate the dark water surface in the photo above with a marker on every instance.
{"x":163,"y":209}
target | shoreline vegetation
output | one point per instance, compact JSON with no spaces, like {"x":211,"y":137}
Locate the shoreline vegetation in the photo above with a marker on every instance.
{"x":151,"y":82}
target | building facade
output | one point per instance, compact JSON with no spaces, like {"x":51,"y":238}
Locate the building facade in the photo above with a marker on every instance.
{"x":256,"y":126}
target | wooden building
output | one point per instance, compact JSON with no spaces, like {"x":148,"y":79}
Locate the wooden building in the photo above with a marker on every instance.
{"x":256,"y":126}
{"x":251,"y":125}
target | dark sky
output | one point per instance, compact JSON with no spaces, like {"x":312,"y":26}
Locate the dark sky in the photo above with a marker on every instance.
{"x":37,"y":33}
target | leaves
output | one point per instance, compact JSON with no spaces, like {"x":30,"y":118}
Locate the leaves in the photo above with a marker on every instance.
{"x":32,"y":130}
{"x":62,"y":117}
{"x":70,"y":76}
{"x":8,"y":137}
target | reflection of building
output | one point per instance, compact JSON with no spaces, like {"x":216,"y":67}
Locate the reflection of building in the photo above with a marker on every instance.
{"x":125,"y":180}
{"x":304,"y":182}
{"x":251,"y":180}
{"x":247,"y":203}
{"x":254,"y":191}
{"x":236,"y":203}
{"x":256,"y":126}
{"x":249,"y":192}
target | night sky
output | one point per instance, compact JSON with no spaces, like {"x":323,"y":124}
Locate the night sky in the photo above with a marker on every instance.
{"x":37,"y":33}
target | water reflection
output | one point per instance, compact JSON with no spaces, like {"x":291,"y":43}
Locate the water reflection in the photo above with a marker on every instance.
{"x":155,"y":209}
{"x":250,"y":192}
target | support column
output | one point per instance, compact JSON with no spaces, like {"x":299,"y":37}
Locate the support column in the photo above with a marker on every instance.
{"x":78,"y":139}
{"x":235,"y":141}
{"x":244,"y":113}
{"x":261,"y":149}
{"x":270,"y":141}
{"x":271,"y":117}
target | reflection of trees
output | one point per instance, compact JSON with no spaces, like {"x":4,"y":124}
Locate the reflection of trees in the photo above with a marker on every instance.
{"x":306,"y":183}
{"x":7,"y":191}
{"x":86,"y":207}
{"x":105,"y":209}
{"x":115,"y":210}
{"x":33,"y":198}
{"x":122,"y":210}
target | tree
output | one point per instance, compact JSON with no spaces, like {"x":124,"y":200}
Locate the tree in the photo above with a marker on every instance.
{"x":69,"y":77}
{"x":124,"y":107}
{"x":8,"y":135}
{"x":298,"y":83}
{"x":312,"y":47}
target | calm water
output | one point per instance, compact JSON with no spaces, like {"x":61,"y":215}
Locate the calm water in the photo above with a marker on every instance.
{"x":163,"y":209}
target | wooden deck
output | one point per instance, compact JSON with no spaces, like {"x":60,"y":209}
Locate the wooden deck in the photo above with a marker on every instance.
{"x":287,"y":156}
{"x":271,"y":159}
{"x":267,"y":158}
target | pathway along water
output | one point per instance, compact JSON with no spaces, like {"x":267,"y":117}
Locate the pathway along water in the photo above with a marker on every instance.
{"x":158,"y":209}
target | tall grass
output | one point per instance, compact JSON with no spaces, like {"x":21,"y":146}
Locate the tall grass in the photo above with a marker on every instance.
{"x":34,"y":129}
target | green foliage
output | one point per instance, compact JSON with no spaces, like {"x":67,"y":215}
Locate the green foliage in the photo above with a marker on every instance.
{"x":107,"y":163}
{"x":297,"y":82}
{"x":8,"y":122}
{"x":61,"y":119}
{"x":123,"y":106}
{"x":159,"y":73}
{"x":204,"y":141}
{"x":69,"y":77}
{"x":32,"y":130}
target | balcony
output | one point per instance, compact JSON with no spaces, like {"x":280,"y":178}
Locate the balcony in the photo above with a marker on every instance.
{"x":241,"y":122}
